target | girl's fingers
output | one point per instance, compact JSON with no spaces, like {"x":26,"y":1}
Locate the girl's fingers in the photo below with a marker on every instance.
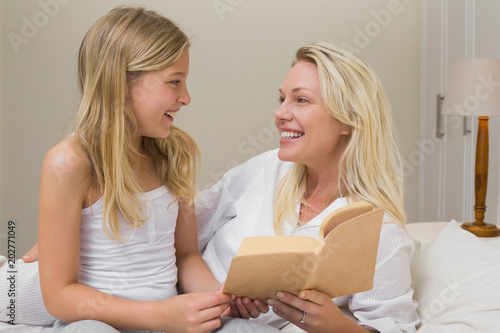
{"x":215,"y":312}
{"x":212,"y":299}
{"x":210,"y":325}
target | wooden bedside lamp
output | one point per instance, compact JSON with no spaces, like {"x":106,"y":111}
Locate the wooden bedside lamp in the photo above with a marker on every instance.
{"x":474,"y":90}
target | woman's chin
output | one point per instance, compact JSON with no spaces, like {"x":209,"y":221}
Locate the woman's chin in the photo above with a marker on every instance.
{"x":286,"y":156}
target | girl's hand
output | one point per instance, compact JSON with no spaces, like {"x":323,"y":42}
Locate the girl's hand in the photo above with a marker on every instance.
{"x":194,"y":312}
{"x":244,"y":307}
{"x":313,"y":312}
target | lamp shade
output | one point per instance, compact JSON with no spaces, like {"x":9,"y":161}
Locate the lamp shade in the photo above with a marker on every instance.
{"x":474,"y":88}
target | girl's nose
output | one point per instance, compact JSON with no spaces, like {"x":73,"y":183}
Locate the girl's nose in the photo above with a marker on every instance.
{"x":184,"y":97}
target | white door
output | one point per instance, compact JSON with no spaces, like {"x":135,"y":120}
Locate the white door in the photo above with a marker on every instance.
{"x":453,"y":29}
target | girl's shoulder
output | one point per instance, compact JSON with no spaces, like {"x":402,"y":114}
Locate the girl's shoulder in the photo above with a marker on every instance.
{"x":67,"y":160}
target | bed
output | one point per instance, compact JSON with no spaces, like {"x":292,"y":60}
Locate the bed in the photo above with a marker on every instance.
{"x":456,"y":278}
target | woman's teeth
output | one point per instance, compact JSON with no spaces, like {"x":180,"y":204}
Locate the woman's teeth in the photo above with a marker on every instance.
{"x":290,"y":135}
{"x":171,"y":114}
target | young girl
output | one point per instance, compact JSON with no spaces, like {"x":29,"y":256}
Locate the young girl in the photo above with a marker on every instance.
{"x":117,"y":194}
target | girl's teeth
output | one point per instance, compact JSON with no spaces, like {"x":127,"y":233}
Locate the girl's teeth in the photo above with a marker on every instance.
{"x":289,"y":135}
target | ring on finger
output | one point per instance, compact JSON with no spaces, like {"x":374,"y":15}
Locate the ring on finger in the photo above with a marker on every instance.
{"x":303,"y":317}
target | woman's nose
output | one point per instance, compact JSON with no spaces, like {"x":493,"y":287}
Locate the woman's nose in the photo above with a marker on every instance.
{"x":283,"y":112}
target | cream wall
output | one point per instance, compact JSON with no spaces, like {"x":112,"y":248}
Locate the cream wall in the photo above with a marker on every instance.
{"x":241,"y":51}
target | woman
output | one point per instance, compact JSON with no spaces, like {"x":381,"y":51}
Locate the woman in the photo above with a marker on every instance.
{"x":337,"y":146}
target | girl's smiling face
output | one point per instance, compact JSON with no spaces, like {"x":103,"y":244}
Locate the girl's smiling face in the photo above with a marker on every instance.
{"x":157,"y":97}
{"x":309,"y":134}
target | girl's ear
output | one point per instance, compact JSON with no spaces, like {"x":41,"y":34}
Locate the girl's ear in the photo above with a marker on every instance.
{"x":346,"y":130}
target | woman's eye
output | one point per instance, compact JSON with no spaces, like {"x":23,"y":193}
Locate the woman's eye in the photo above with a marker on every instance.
{"x":281,"y":100}
{"x":175,"y":82}
{"x":302,"y":100}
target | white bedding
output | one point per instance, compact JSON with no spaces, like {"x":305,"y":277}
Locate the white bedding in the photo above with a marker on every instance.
{"x":29,"y":309}
{"x":456,"y":280}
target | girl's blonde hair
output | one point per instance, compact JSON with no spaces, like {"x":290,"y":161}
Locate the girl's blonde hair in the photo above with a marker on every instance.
{"x":370,"y":167}
{"x":120,"y":47}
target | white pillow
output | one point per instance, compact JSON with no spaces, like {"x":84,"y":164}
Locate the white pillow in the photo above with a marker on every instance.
{"x":28,"y":307}
{"x":456,"y":280}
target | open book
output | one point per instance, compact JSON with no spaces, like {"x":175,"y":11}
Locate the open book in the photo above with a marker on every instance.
{"x":341,"y":262}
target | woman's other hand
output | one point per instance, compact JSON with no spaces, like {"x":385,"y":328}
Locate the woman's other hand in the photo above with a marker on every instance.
{"x":244,"y":307}
{"x":31,"y":255}
{"x":313,"y":312}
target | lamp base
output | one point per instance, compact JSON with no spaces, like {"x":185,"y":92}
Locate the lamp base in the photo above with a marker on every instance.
{"x":482,"y":229}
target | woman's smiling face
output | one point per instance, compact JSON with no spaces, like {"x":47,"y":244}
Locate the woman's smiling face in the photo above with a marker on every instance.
{"x":309,"y":133}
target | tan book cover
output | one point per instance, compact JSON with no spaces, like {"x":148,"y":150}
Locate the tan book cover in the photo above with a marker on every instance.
{"x":341,"y":262}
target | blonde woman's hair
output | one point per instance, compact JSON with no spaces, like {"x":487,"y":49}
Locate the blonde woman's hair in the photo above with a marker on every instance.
{"x":120,"y":47}
{"x":370,"y":167}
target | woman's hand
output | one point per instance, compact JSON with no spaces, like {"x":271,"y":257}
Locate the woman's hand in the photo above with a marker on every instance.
{"x":313,"y":311}
{"x":31,"y":255}
{"x":244,"y":307}
{"x":194,"y":312}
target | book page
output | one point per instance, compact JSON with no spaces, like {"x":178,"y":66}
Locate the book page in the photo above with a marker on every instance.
{"x":262,"y":276}
{"x":346,"y":264}
{"x":278,"y":244}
